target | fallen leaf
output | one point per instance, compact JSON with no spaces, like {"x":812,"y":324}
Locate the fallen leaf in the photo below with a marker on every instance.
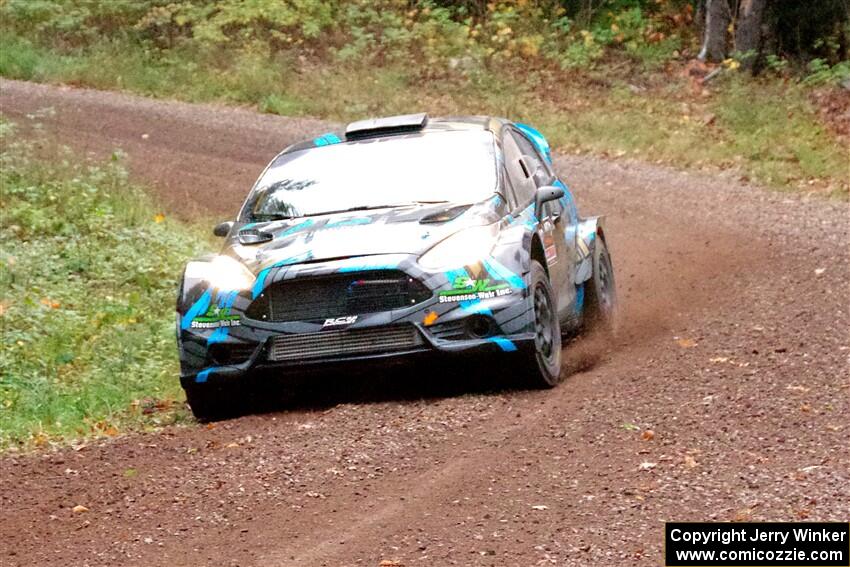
{"x":79,"y":509}
{"x":630,"y":427}
{"x":648,"y":435}
{"x":686,"y":343}
{"x":232,"y":445}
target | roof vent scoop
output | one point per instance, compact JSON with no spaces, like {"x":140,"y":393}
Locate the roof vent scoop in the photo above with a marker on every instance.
{"x":384,"y":126}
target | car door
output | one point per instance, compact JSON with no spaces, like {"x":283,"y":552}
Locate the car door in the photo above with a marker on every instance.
{"x":559,"y":222}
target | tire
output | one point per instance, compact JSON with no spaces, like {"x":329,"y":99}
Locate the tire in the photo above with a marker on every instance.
{"x":542,"y":366}
{"x":210,"y":402}
{"x":601,"y":307}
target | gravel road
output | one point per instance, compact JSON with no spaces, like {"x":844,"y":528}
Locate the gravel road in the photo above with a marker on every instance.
{"x":727,"y":396}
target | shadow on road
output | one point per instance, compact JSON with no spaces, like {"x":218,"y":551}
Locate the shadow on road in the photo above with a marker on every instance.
{"x":283,"y":391}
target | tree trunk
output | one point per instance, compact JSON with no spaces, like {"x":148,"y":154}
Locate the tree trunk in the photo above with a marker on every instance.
{"x":717,"y":18}
{"x":748,"y":34}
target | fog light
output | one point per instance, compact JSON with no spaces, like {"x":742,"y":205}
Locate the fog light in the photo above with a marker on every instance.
{"x":479,"y":326}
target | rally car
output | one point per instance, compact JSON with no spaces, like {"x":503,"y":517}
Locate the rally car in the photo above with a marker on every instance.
{"x":400,"y":237}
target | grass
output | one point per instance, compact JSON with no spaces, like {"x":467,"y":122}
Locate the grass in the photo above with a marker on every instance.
{"x":766,"y":130}
{"x":88,"y":274}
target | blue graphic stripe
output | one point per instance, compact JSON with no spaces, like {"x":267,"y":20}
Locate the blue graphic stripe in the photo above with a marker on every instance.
{"x":260,"y":282}
{"x":506,"y":345}
{"x":327,"y":139}
{"x":225,"y":301}
{"x":296,"y":228}
{"x":202,"y":376}
{"x":475,"y":306}
{"x":579,"y":299}
{"x":197,"y":309}
{"x":501,"y":272}
{"x":373,"y":264}
{"x":538,"y":139}
{"x":349,"y":222}
{"x":218,"y":336}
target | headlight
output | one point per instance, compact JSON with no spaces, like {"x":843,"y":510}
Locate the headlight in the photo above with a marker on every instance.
{"x":465,"y":247}
{"x":223,"y":273}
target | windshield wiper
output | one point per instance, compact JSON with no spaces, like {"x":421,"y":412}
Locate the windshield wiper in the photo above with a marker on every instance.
{"x":271,"y":217}
{"x":281,"y":216}
{"x":360,"y":208}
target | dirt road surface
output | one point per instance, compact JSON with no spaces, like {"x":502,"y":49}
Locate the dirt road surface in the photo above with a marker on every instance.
{"x":734,"y":353}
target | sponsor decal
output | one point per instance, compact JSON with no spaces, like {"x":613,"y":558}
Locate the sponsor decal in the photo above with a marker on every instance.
{"x":215,"y":318}
{"x":340,"y":321}
{"x":468,"y":289}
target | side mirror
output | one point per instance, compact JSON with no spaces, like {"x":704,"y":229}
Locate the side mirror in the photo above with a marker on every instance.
{"x":223,"y":229}
{"x":544,"y":195}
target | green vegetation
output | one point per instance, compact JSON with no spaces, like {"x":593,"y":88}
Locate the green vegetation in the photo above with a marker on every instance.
{"x":88,"y":272}
{"x":611,"y":77}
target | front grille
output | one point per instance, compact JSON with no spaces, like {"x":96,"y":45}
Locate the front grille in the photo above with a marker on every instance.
{"x":338,"y":295}
{"x":326,"y":344}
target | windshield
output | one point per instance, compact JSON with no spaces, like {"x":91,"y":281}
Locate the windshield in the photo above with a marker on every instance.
{"x":455,"y":166}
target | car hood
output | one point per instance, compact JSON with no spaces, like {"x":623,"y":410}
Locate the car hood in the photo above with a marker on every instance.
{"x":402,"y":230}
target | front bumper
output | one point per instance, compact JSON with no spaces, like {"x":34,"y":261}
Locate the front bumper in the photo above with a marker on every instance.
{"x":495,"y":323}
{"x":260,"y":360}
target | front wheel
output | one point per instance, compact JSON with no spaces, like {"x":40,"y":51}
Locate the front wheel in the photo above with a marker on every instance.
{"x":542,"y":367}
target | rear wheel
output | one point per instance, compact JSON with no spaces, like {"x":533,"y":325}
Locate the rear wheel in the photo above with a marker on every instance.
{"x":542,"y":367}
{"x":600,"y":313}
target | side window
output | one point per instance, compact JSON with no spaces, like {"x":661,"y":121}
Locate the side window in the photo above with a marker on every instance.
{"x":539,"y":169}
{"x":523,"y":186}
